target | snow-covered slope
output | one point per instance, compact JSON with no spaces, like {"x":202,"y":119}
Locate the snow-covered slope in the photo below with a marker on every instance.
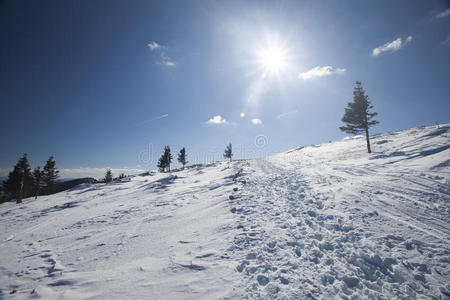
{"x":318,"y":222}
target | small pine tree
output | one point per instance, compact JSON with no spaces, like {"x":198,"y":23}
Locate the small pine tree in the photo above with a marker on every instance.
{"x":162,"y":163}
{"x":358,"y":116}
{"x":182,"y":157}
{"x":122,"y":176}
{"x":228,"y":152}
{"x":168,"y":157}
{"x":108,"y":176}
{"x":165,"y":160}
{"x":37,"y":181}
{"x":49,"y":175}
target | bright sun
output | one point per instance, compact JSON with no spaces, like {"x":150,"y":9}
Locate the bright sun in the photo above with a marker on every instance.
{"x":273,"y":60}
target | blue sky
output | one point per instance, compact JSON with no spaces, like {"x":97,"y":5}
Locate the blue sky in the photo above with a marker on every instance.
{"x":109,"y":83}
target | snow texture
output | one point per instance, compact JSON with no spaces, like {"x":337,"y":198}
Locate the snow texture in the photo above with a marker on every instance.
{"x":326,"y":221}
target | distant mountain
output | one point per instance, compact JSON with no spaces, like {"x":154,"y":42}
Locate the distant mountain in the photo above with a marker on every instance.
{"x":64,"y":184}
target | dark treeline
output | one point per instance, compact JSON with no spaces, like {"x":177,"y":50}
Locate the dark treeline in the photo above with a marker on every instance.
{"x":22,"y":182}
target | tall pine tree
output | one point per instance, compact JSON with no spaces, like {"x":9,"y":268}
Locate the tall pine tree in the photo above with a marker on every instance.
{"x":182,"y":157}
{"x":20,"y":181}
{"x":358,"y":117}
{"x":228,"y":152}
{"x":49,"y":175}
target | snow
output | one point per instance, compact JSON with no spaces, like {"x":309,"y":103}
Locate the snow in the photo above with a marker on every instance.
{"x":320,"y":221}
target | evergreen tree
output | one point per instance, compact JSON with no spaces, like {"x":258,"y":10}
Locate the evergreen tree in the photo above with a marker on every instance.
{"x":20,"y":181}
{"x":165,"y":160}
{"x":358,"y":117}
{"x":3,"y":196}
{"x":122,"y":176}
{"x":49,"y":175}
{"x":162,"y":163}
{"x":228,"y":152}
{"x":168,"y":157}
{"x":37,"y":181}
{"x":108,"y":176}
{"x":182,"y":157}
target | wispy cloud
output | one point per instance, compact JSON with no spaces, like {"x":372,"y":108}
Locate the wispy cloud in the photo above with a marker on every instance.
{"x":150,"y":120}
{"x":443,"y":14}
{"x":286,"y":114}
{"x":217,"y":120}
{"x":162,"y":116}
{"x":256,"y":121}
{"x":166,"y":60}
{"x":163,"y":58}
{"x":446,"y":42}
{"x":395,"y":45}
{"x":320,"y":72}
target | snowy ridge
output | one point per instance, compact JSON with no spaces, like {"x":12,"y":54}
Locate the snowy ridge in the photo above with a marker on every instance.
{"x":317,"y":222}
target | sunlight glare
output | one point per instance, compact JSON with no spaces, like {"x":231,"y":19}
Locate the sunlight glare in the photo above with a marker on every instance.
{"x":273,"y":60}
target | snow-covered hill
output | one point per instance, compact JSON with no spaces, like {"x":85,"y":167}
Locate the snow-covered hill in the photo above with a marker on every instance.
{"x":316,"y":222}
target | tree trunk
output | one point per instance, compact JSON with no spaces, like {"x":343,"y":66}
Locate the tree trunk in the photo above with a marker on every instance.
{"x":19,"y":198}
{"x":367,"y":140}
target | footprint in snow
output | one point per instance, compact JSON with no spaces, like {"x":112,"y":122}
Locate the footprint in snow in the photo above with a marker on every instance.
{"x":193,"y":267}
{"x":262,"y":280}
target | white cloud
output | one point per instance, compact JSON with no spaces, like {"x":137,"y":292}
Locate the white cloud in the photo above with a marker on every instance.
{"x":443,"y":14}
{"x":163,"y":59}
{"x":217,"y":120}
{"x":169,"y":63}
{"x":154,"y":46}
{"x":256,"y":121}
{"x":166,"y":60}
{"x":395,"y":45}
{"x":97,"y":173}
{"x":320,"y":72}
{"x":242,"y":114}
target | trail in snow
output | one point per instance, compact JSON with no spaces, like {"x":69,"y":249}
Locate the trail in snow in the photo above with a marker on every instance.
{"x":327,"y":221}
{"x":331,"y":220}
